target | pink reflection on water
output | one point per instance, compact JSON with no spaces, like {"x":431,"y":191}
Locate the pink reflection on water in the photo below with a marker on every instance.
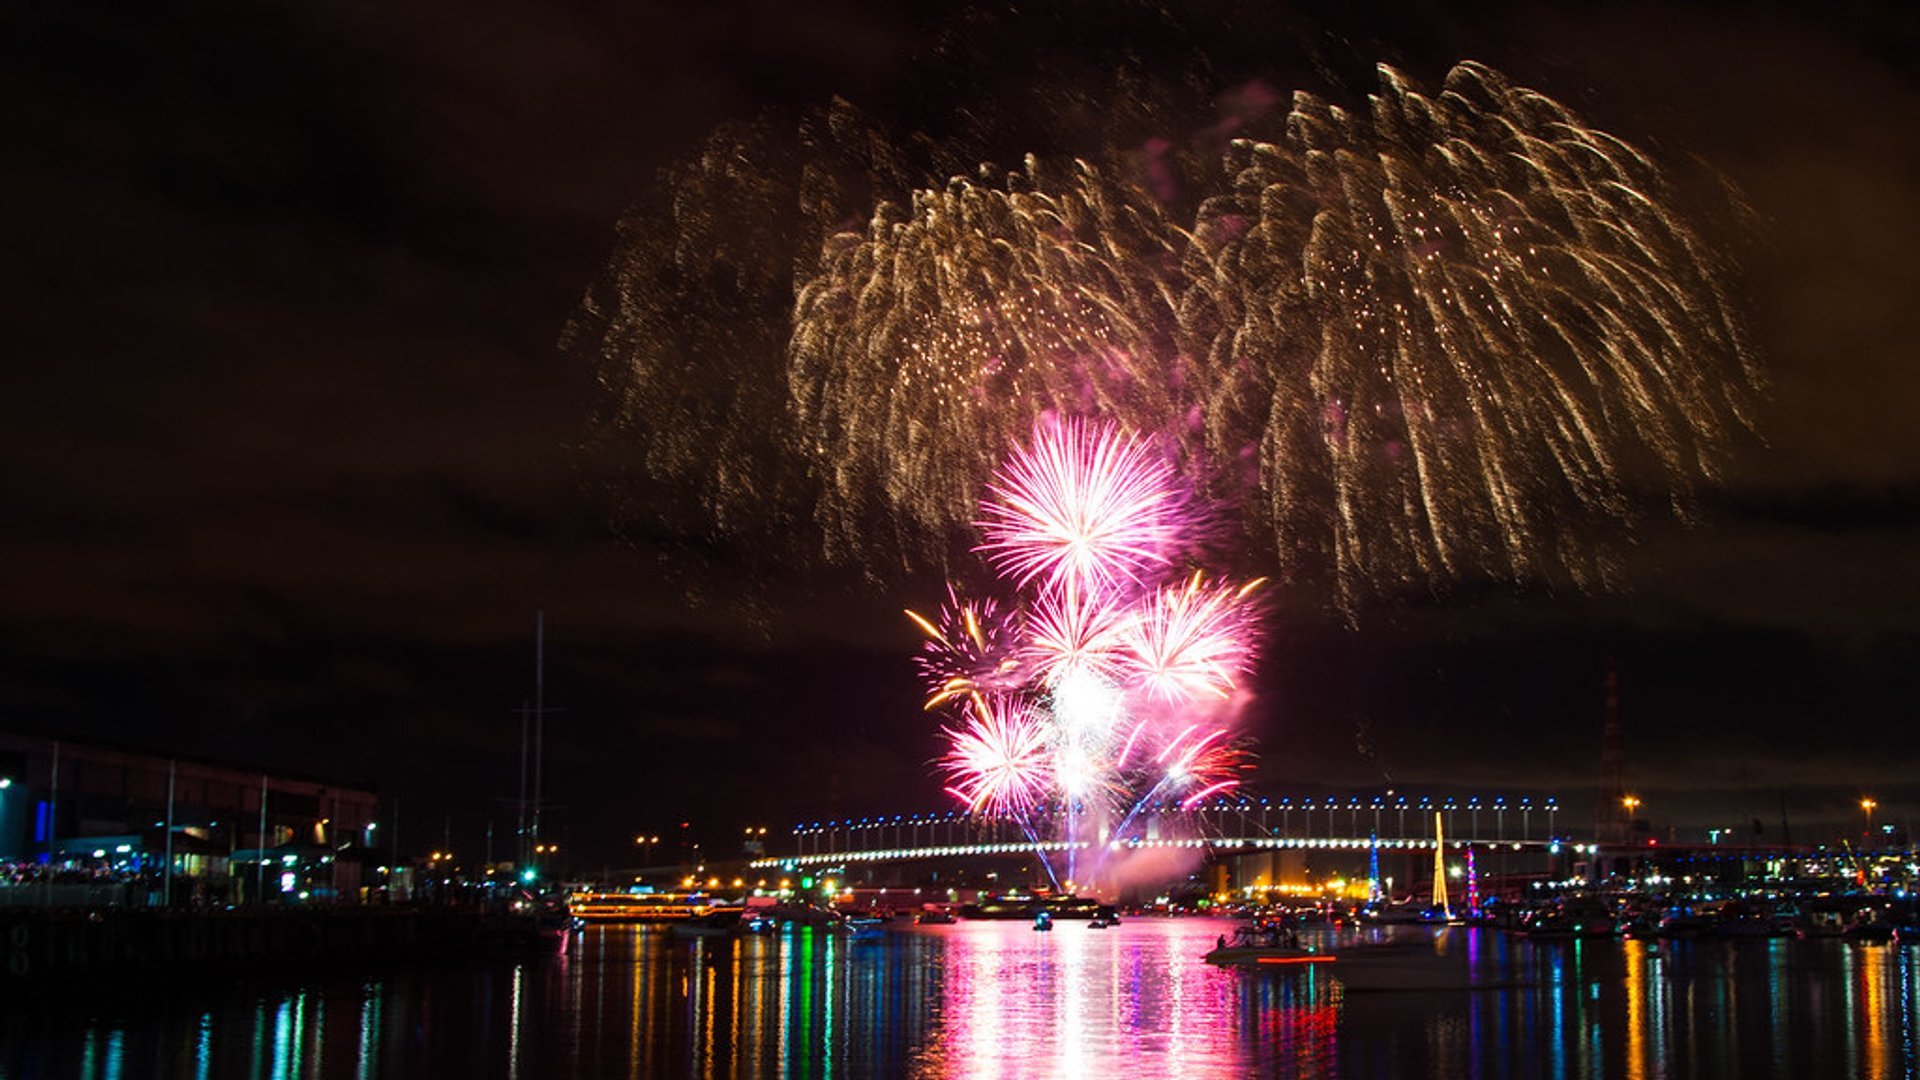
{"x":1134,"y":1000}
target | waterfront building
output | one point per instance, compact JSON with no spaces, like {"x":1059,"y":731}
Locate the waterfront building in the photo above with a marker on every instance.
{"x":88,"y":815}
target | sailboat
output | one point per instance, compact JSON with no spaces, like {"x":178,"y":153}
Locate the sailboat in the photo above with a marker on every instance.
{"x":1442,"y":909}
{"x":1438,"y":911}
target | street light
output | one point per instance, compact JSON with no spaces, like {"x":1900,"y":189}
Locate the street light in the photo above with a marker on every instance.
{"x":1868,"y":805}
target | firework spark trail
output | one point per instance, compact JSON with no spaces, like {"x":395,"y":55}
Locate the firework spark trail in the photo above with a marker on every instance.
{"x":1497,"y":316}
{"x":1441,"y":336}
{"x":1452,"y":334}
{"x":926,"y":345}
{"x":696,"y":293}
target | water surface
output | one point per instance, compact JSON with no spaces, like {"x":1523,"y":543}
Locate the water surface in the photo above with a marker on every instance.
{"x":1000,"y":1000}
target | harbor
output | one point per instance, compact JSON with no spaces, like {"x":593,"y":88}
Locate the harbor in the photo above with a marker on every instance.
{"x":993,"y":997}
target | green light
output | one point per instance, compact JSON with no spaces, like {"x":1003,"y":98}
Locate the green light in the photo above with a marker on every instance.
{"x":806,"y":883}
{"x":527,"y":874}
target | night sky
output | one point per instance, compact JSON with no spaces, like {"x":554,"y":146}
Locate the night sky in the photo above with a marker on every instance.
{"x":292,"y":454}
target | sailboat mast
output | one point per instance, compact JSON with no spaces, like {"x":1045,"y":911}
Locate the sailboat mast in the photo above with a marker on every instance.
{"x":520,"y":806}
{"x":539,"y":712}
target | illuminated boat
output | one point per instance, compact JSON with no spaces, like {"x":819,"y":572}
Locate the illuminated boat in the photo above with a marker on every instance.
{"x":639,"y":907}
{"x":865,"y":924}
{"x":1022,"y":906}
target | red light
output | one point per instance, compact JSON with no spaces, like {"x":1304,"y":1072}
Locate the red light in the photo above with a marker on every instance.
{"x":1297,"y":959}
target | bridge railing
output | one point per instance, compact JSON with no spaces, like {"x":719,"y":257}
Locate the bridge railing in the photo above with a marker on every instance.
{"x":1391,"y":821}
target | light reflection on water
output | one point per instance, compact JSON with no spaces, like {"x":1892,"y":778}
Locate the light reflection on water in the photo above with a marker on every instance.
{"x":999,"y":1000}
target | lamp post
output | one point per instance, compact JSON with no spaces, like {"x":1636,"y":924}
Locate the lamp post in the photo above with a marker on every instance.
{"x":1867,"y":806}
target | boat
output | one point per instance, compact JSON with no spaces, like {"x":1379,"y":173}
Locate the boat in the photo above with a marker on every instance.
{"x":639,"y":907}
{"x":806,"y":916}
{"x":1043,"y":921}
{"x":1264,"y":945}
{"x":1267,"y":956}
{"x":1733,"y":918}
{"x":720,"y":923}
{"x":1395,"y":965}
{"x":1406,"y":914}
{"x":1870,"y":924}
{"x":1682,"y":922}
{"x":866,"y":924}
{"x":1569,"y":918}
{"x":935,"y":918}
{"x":1022,"y":906}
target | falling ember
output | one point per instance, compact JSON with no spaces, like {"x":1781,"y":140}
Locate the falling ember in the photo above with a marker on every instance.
{"x":1452,"y":334}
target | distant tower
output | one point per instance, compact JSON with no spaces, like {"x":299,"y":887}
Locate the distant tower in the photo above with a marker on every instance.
{"x":1611,"y":824}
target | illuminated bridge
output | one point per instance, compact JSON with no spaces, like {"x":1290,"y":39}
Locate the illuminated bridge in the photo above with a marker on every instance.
{"x":1230,"y":825}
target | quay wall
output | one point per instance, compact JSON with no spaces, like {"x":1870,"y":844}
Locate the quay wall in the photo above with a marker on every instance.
{"x":41,"y":946}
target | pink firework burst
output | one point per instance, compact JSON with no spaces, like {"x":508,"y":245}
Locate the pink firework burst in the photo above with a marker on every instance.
{"x":999,"y":762}
{"x":1085,"y":508}
{"x":971,"y":649}
{"x":1076,"y":632}
{"x":1192,"y":640}
{"x":1196,"y":767}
